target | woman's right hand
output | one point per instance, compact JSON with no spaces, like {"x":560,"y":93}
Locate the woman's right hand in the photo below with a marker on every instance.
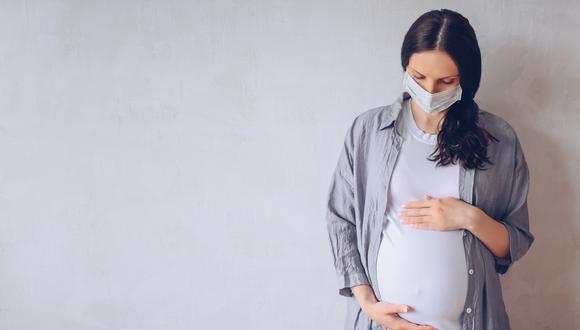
{"x":386,"y":314}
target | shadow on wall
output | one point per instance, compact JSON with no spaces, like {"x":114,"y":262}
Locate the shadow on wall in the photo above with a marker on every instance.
{"x":534,"y":90}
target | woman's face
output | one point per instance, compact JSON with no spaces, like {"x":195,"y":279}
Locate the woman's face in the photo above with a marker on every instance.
{"x":434,"y":70}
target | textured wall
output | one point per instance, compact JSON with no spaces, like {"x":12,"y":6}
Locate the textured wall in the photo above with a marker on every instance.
{"x":165,"y":163}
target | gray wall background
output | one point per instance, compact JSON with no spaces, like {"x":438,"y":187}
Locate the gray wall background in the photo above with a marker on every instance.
{"x":165,"y":163}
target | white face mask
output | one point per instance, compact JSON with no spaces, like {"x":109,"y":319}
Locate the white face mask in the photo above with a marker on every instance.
{"x":427,"y":101}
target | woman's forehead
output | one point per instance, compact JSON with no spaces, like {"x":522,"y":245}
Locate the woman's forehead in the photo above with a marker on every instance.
{"x":434,"y":63}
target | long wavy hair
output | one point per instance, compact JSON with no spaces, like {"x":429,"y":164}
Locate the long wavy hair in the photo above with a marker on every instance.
{"x":461,"y":139}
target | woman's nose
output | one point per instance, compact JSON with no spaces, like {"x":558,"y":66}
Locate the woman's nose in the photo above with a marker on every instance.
{"x":430,"y":87}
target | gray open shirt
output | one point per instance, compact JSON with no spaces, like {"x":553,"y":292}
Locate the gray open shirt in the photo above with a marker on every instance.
{"x":357,"y":200}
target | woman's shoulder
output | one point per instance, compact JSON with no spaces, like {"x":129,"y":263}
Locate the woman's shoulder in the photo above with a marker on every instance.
{"x":371,"y":116}
{"x":497,"y":125}
{"x":509,"y":142}
{"x":368,"y":121}
{"x":375,"y":119}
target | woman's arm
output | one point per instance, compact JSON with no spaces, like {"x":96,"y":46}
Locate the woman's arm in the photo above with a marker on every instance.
{"x":515,"y":220}
{"x":341,"y":220}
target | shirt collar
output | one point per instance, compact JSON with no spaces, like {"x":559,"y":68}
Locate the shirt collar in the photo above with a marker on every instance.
{"x":391,"y":112}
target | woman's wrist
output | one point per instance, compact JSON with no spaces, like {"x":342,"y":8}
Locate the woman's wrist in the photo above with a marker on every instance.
{"x":364,"y":296}
{"x":364,"y":305}
{"x":472,"y":218}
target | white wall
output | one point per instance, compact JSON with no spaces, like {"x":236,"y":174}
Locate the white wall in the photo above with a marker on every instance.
{"x":165,"y":163}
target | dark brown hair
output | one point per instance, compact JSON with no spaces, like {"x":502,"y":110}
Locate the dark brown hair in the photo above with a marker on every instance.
{"x":461,"y":138}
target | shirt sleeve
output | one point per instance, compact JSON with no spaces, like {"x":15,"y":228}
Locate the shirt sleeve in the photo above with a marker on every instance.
{"x":516,"y":218}
{"x":341,"y":224}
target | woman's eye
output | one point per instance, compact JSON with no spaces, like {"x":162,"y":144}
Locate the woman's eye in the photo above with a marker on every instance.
{"x":449,"y":82}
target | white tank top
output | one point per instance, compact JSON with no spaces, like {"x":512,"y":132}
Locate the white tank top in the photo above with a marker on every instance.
{"x":425,"y":269}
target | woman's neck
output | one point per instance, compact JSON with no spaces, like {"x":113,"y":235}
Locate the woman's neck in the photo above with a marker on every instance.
{"x":427,"y":122}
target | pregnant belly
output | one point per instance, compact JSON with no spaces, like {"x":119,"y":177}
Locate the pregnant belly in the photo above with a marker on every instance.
{"x":427,"y":270}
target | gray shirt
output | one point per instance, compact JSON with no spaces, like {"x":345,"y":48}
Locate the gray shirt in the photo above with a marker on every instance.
{"x":357,"y":200}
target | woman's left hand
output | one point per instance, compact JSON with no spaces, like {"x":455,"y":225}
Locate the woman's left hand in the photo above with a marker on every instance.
{"x":444,"y":213}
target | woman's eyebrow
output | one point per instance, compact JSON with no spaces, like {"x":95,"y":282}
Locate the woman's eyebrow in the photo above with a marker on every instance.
{"x":455,"y":75}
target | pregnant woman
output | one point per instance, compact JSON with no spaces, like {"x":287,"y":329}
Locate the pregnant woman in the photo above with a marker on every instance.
{"x":420,"y":267}
{"x":428,"y":201}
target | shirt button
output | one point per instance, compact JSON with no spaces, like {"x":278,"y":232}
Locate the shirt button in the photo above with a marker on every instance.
{"x":468,"y":310}
{"x":471,"y":271}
